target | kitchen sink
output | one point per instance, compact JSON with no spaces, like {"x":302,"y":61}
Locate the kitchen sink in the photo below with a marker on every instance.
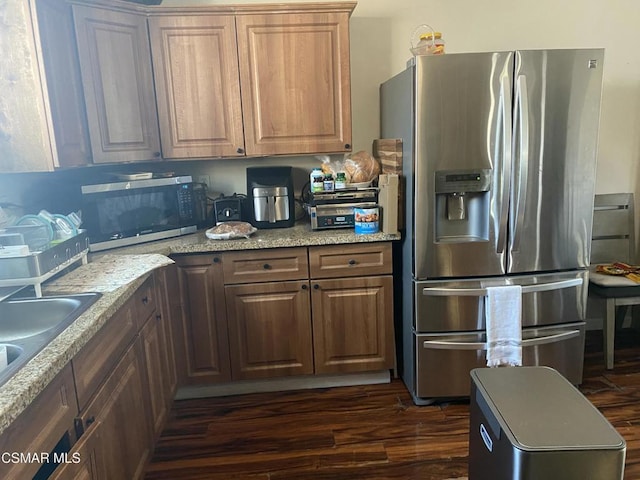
{"x":32,"y":316}
{"x":27,"y":325}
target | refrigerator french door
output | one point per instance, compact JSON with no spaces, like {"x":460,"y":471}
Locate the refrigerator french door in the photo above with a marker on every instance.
{"x":499,"y":156}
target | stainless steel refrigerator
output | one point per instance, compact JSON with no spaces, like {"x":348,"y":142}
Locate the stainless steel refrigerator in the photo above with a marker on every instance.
{"x":499,"y":158}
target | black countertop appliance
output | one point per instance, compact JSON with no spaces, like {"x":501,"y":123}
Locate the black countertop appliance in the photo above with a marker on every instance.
{"x":270,"y":197}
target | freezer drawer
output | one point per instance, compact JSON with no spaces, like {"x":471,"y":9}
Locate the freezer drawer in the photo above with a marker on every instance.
{"x":529,"y":423}
{"x":443,"y":361}
{"x":458,"y":305}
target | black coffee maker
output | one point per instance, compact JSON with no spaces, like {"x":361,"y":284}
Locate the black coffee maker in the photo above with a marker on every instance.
{"x":270,"y":198}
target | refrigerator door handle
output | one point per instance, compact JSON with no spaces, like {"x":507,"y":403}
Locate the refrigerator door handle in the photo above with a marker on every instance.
{"x":505,"y":99}
{"x":522,"y":166}
{"x":481,"y":292}
{"x":531,"y":342}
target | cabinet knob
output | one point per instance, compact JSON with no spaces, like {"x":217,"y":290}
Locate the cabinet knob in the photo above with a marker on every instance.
{"x":266,"y":266}
{"x":240,"y":150}
{"x":158,"y":317}
{"x":216,"y":259}
{"x":145,"y":300}
{"x":156,"y":154}
{"x":304,"y":287}
{"x":347,"y":146}
{"x":316,"y":286}
{"x":352,"y":262}
{"x":90,"y":420}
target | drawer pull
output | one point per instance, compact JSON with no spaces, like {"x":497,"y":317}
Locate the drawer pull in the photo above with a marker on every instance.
{"x":352,"y":262}
{"x":216,"y":259}
{"x":266,"y":266}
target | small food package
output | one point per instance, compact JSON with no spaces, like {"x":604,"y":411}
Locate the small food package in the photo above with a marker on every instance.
{"x":231,"y":230}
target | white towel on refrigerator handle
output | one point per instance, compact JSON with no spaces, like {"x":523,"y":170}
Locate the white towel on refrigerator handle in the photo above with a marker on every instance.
{"x":503,"y":316}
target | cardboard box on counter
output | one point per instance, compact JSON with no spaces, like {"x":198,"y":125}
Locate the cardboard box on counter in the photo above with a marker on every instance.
{"x":389,"y":152}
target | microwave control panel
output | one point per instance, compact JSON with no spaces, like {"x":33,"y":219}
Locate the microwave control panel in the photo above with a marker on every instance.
{"x":185,"y":201}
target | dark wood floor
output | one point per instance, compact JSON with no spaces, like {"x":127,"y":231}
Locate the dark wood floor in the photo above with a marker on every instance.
{"x":368,"y":432}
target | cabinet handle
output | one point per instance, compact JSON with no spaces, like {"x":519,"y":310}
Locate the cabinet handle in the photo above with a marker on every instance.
{"x":352,"y":262}
{"x":158,"y":317}
{"x":316,"y":286}
{"x":216,"y":260}
{"x":145,"y":300}
{"x":266,"y":266}
{"x":304,"y":287}
{"x":240,"y":150}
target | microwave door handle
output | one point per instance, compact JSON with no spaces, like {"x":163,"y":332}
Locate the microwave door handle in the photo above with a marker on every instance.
{"x":531,"y":342}
{"x":506,"y":158}
{"x":481,"y":292}
{"x":522,"y":165}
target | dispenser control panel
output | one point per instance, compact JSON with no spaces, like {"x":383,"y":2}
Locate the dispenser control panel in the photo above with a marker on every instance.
{"x":459,"y":181}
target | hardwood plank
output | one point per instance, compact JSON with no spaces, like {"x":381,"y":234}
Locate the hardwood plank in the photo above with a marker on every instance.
{"x":371,"y":431}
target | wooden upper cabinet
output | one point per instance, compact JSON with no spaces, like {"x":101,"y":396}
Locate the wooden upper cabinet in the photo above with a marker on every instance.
{"x":197,"y":85}
{"x":295,"y":77}
{"x":115,"y":60}
{"x":66,"y":98}
{"x":26,"y":134}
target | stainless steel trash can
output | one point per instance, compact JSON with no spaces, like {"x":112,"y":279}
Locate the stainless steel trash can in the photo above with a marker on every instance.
{"x":530,"y":423}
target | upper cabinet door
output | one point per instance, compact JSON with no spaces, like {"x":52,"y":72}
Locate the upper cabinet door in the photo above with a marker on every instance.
{"x":26,"y":139}
{"x":66,"y":100}
{"x":115,"y":61}
{"x":197,"y":85}
{"x":295,"y":77}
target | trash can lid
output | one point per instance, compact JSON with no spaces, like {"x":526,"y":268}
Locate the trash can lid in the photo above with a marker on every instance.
{"x":541,"y":410}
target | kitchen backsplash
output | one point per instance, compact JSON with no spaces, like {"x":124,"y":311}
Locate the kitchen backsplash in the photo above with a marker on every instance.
{"x":59,"y":191}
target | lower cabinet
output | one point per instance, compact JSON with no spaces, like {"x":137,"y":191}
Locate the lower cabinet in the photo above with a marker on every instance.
{"x":351,"y":327}
{"x":46,"y":422}
{"x":154,"y":347}
{"x":202,"y":342}
{"x":287,"y":311}
{"x":83,"y":461}
{"x":119,"y":410}
{"x":269,"y":329}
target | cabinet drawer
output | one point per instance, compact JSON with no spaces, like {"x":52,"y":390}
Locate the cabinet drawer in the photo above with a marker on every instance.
{"x":145,"y":301}
{"x":350,"y":260}
{"x":98,"y":357}
{"x":265,"y":265}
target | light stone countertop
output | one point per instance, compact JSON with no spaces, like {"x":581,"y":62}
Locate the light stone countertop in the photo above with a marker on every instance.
{"x":117,"y":274}
{"x":299,"y":235}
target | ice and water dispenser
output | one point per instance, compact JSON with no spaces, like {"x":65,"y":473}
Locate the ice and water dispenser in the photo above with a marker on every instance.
{"x":462,"y":205}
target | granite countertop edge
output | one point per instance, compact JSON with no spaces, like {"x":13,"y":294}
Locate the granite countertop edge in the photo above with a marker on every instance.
{"x":117,"y":274}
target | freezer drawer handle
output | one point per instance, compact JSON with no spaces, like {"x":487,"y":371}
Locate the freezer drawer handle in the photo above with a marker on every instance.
{"x":531,"y":342}
{"x":481,"y":292}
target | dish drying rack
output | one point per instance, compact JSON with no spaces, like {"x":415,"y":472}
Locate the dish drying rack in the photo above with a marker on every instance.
{"x":37,"y":267}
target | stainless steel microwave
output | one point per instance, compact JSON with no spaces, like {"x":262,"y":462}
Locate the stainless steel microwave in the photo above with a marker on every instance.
{"x":136,"y":211}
